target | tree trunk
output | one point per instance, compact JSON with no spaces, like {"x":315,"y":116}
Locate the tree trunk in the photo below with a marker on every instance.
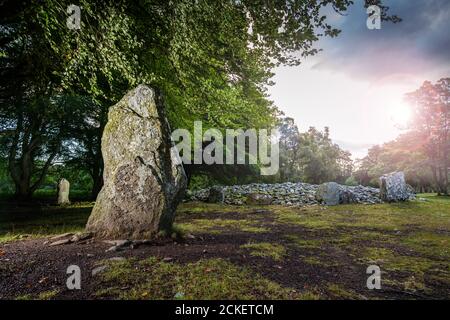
{"x":97,"y":182}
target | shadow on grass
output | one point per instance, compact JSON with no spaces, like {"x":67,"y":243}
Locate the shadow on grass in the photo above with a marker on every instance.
{"x":37,"y":220}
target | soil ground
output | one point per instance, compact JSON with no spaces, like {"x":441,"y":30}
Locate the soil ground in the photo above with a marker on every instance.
{"x":231,"y":252}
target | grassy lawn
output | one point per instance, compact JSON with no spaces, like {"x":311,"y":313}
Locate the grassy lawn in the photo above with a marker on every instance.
{"x":271,"y":252}
{"x":43,"y":221}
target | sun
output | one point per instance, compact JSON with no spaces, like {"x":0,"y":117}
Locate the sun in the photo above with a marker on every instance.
{"x":400,"y":113}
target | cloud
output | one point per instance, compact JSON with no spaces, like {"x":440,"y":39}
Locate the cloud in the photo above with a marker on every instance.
{"x":358,"y":150}
{"x":417,"y":46}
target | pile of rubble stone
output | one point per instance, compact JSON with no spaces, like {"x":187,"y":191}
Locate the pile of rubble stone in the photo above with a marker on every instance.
{"x":290,"y":193}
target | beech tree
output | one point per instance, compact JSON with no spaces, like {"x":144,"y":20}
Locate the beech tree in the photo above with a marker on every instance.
{"x":213,"y":61}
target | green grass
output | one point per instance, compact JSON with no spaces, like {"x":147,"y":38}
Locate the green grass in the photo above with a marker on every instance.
{"x":407,"y":272}
{"x":409,"y":241}
{"x":44,"y":221}
{"x":219,"y":225}
{"x":266,"y":250}
{"x":339,"y":292}
{"x":50,"y":195}
{"x":432,"y":214}
{"x":204,"y":279}
{"x":45,"y":295}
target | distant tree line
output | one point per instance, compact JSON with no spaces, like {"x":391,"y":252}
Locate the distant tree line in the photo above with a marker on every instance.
{"x":311,"y":156}
{"x":424,"y":151}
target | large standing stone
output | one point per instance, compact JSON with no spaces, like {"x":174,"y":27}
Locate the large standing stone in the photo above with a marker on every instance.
{"x":143,"y":177}
{"x":393,"y":187}
{"x":63,"y":192}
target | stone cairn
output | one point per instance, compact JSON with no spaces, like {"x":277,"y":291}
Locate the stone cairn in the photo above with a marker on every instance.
{"x":298,"y":194}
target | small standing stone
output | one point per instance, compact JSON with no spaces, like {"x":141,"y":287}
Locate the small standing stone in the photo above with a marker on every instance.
{"x":63,"y":192}
{"x":393,"y":187}
{"x":329,"y":193}
{"x":216,"y":195}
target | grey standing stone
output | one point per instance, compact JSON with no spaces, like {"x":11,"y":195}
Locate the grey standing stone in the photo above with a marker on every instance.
{"x":216,"y":195}
{"x":393,"y":187}
{"x":329,"y":193}
{"x":143,"y":177}
{"x":63,"y":192}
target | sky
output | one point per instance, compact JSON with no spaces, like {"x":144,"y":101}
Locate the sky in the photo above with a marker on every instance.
{"x":357,"y":83}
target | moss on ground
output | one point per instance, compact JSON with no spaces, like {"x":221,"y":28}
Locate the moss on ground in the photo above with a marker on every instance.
{"x":190,"y":208}
{"x":218,"y":225}
{"x":44,"y":221}
{"x":409,"y":241}
{"x":339,"y":292}
{"x":407,"y":272}
{"x":45,"y":295}
{"x":303,"y":243}
{"x":204,"y":279}
{"x":265,"y":249}
{"x":432,"y":214}
{"x":429,"y":243}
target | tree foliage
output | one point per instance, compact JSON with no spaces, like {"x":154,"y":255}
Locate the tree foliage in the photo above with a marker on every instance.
{"x":212,"y":59}
{"x":424,"y":151}
{"x":311,"y":156}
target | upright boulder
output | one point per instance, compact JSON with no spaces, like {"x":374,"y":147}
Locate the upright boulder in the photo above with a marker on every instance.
{"x":332,"y":193}
{"x":393,"y":187}
{"x":63,"y":192}
{"x":216,"y":194}
{"x":143,"y":176}
{"x":329,"y":193}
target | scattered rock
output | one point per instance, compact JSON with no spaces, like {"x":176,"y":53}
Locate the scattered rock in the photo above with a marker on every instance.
{"x":118,"y":243}
{"x":167,"y":259}
{"x":136,"y":243}
{"x":144,"y":178}
{"x":61,"y":236}
{"x":81,"y":236}
{"x":258,"y":199}
{"x":116,"y":259}
{"x":112,"y":249}
{"x":60,"y":242}
{"x":98,"y":270}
